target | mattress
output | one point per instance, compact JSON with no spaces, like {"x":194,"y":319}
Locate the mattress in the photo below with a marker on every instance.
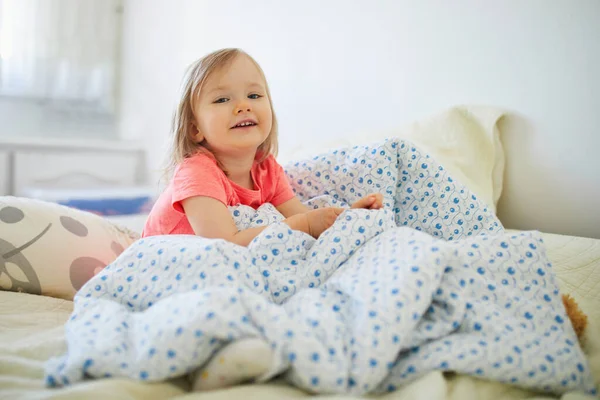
{"x":31,"y":331}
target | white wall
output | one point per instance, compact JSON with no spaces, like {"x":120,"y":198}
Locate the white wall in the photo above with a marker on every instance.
{"x":337,"y":67}
{"x":26,"y":118}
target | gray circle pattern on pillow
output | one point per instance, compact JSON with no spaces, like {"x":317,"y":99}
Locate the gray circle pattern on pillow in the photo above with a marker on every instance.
{"x":81,"y":269}
{"x":11,"y":215}
{"x":74,"y":226}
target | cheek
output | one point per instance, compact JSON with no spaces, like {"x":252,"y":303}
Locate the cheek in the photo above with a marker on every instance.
{"x":266,"y":116}
{"x":216,"y":119}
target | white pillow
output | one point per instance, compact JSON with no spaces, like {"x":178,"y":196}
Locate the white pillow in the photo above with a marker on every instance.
{"x":53,"y":250}
{"x":465,"y":140}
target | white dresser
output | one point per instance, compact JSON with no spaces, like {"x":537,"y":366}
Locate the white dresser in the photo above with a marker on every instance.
{"x":4,"y":171}
{"x":69,"y":164}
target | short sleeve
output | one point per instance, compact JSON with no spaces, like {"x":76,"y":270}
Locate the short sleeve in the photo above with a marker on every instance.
{"x":198,"y":175}
{"x":283,"y":190}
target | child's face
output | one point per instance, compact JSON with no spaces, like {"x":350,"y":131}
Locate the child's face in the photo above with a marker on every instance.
{"x":230,"y":96}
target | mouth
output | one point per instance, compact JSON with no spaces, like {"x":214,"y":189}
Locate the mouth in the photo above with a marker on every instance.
{"x":247,"y":123}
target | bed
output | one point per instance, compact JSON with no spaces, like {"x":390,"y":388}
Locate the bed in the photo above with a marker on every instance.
{"x":31,"y":330}
{"x":32,"y":325}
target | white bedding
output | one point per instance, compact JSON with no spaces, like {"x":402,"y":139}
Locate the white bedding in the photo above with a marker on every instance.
{"x":31,"y":331}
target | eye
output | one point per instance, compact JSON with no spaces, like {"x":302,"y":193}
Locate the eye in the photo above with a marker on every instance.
{"x":254,"y":96}
{"x":221,"y":100}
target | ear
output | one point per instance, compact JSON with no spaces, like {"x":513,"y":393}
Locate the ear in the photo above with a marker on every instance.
{"x":195,"y":133}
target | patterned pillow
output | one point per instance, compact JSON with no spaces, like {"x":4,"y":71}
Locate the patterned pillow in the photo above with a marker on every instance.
{"x":53,"y":250}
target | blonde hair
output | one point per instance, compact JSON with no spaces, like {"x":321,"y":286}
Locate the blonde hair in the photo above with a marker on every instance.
{"x":183,"y":144}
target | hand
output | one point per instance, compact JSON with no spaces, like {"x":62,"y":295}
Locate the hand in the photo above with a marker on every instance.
{"x":374,"y":201}
{"x":321,"y":219}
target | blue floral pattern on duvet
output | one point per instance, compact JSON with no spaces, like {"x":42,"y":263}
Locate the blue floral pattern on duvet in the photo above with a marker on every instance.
{"x":431,"y":282}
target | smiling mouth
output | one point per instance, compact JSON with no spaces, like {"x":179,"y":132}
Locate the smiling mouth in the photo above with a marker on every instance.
{"x":245,"y":124}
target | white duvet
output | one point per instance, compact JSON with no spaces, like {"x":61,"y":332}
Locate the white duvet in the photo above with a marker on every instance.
{"x":383,"y":297}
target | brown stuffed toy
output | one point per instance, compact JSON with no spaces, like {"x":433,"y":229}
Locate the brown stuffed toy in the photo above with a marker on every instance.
{"x":577,"y":317}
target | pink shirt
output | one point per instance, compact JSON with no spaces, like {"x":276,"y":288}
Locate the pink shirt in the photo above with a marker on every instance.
{"x":199,"y":175}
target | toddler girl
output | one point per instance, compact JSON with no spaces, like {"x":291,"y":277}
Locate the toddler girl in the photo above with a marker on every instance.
{"x":223,"y":154}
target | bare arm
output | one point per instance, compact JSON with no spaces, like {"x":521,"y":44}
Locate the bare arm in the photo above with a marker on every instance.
{"x":211,"y":219}
{"x":292,"y":207}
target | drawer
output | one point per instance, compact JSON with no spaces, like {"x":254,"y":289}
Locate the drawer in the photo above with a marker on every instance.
{"x":74,"y":170}
{"x":5,"y":172}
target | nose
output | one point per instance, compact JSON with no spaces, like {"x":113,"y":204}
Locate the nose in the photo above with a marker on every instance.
{"x":243,"y":107}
